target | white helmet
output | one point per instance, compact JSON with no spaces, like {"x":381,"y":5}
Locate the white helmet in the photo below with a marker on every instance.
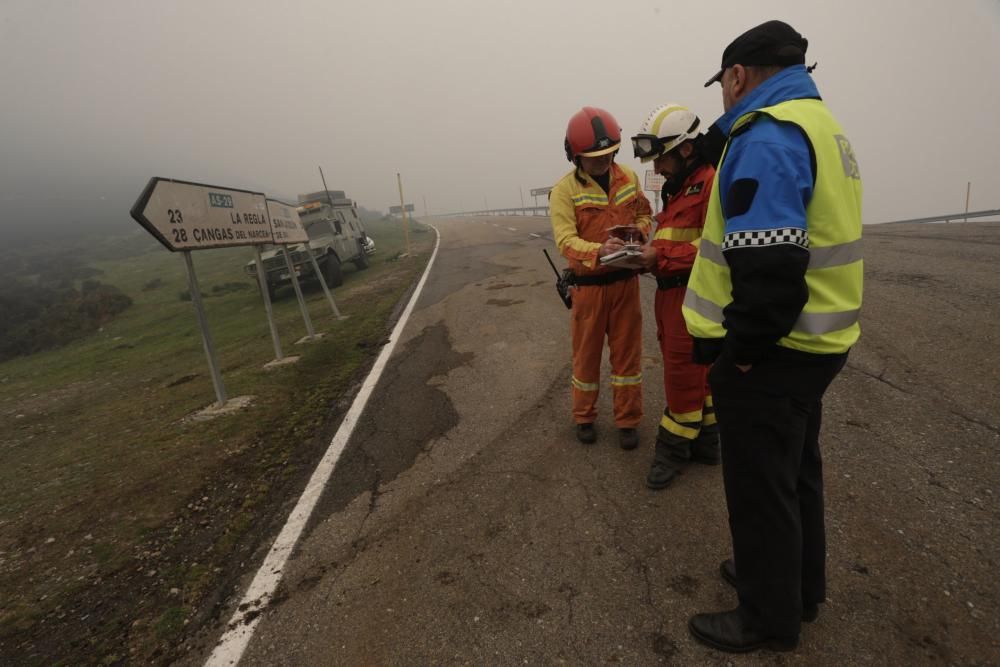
{"x":666,"y":128}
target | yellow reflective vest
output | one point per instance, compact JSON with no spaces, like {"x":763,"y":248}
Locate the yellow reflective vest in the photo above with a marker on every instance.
{"x":828,"y":324}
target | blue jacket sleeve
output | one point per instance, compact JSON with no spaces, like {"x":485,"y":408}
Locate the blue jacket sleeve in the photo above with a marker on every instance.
{"x":766,"y":185}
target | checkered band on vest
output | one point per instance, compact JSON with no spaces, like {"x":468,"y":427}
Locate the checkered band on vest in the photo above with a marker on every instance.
{"x":799,"y":237}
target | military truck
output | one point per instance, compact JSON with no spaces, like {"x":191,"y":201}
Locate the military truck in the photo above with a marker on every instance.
{"x":336,"y":237}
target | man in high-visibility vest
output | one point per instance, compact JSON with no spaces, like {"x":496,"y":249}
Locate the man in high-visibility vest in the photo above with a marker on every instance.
{"x":773,"y":303}
{"x":596,"y":196}
{"x":670,"y":139}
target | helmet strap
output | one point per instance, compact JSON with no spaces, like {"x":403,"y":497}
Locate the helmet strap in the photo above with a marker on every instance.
{"x":673,"y":185}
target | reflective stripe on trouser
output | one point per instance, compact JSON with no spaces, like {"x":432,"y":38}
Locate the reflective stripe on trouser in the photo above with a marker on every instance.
{"x":612,"y":311}
{"x":685,"y":383}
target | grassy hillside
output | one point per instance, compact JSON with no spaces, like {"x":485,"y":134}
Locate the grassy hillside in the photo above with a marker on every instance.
{"x":122,"y":518}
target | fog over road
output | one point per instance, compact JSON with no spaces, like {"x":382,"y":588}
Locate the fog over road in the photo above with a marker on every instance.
{"x":465,"y":524}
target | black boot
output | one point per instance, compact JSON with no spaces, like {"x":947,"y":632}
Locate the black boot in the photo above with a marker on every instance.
{"x":669,"y":459}
{"x":628,"y":438}
{"x":705,"y":448}
{"x":586,"y":434}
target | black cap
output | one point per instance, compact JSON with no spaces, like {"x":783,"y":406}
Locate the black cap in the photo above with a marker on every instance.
{"x":771,"y":43}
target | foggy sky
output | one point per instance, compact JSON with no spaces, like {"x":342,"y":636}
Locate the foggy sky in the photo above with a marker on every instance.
{"x":467,"y":99}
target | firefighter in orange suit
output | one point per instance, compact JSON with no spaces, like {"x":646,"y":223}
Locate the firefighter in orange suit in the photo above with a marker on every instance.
{"x":688,"y":430}
{"x":585,"y":204}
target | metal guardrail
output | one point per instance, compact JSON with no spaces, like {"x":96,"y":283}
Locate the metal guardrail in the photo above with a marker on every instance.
{"x":526,"y":210}
{"x":948,"y":218}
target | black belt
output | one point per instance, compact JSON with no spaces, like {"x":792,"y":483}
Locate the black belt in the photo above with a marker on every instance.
{"x":672,"y":281}
{"x":602,"y":278}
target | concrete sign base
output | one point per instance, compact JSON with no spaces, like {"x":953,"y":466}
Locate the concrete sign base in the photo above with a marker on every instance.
{"x":213,"y":411}
{"x":276,"y":363}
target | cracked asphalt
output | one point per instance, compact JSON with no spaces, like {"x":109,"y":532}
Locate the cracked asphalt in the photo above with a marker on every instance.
{"x":465,"y":525}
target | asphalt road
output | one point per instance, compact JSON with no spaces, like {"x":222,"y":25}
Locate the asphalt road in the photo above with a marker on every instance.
{"x":465,"y":525}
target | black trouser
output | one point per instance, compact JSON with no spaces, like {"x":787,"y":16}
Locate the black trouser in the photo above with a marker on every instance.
{"x":769,"y":421}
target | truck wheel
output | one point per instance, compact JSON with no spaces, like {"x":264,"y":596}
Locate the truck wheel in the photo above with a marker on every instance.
{"x":362,"y":261}
{"x":332,"y":272}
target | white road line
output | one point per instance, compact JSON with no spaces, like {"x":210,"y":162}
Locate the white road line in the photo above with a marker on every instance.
{"x":233,"y":643}
{"x":534,"y":235}
{"x":513,"y":229}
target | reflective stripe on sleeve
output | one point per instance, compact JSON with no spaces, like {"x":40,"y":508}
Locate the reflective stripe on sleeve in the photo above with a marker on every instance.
{"x":819,"y":258}
{"x":835,"y":255}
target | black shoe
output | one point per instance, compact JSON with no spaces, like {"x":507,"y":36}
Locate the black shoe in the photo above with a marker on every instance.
{"x":661,"y":475}
{"x":726,"y":631}
{"x":586,"y":434}
{"x":727,"y":568}
{"x":628,"y":438}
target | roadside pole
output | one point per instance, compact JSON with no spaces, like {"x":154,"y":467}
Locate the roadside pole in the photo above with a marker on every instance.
{"x":298,"y":291}
{"x":968,"y":192}
{"x":206,"y":335}
{"x":406,"y":224}
{"x":322,"y":281}
{"x":262,"y":281}
{"x":521,"y":190}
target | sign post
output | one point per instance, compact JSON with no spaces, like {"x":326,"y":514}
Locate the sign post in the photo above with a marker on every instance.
{"x":206,"y":335}
{"x":262,"y":282}
{"x":402,"y":205}
{"x":186,"y":216}
{"x":293,"y":274}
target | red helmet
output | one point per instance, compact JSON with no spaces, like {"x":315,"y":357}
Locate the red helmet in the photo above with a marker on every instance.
{"x":592,"y":132}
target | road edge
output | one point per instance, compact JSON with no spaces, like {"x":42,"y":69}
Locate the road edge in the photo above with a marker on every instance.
{"x":230,"y":647}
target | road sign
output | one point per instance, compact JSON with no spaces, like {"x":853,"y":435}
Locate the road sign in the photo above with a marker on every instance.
{"x":396,"y":210}
{"x":285,"y":224}
{"x":194,"y":216}
{"x":538,"y":192}
{"x":654,"y":181}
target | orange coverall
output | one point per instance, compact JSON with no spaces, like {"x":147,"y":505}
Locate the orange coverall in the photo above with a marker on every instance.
{"x":678,"y":231}
{"x":582,"y":214}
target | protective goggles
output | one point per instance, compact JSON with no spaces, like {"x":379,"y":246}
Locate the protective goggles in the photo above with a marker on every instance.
{"x":648,"y":145}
